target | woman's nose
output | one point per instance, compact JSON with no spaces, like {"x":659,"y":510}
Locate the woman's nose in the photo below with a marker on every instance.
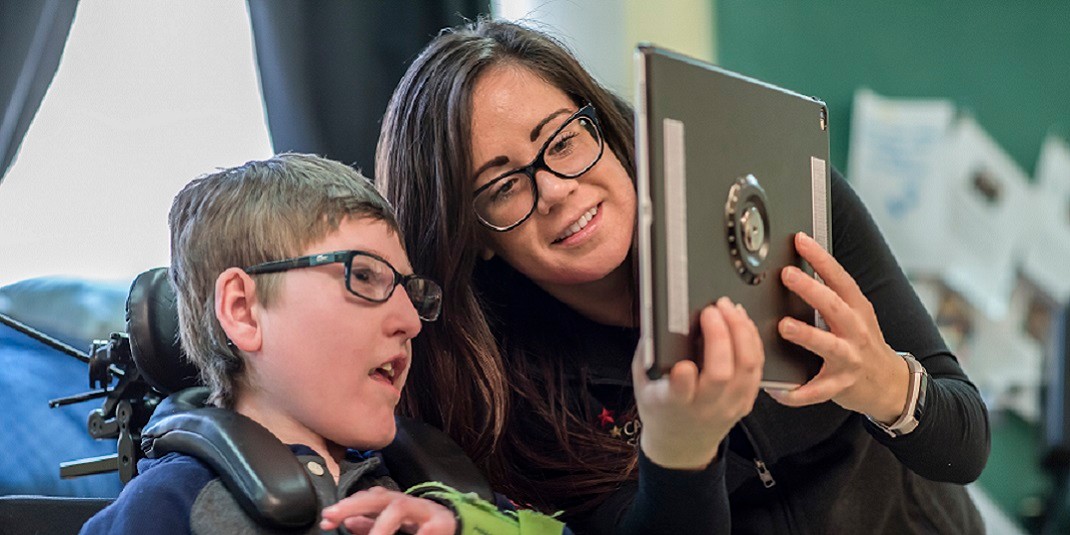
{"x":552,"y":190}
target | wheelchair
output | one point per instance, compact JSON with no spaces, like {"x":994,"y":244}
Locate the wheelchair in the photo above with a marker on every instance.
{"x":158,"y":406}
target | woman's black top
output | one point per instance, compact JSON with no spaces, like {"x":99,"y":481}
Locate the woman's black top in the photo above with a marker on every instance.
{"x":817,"y":469}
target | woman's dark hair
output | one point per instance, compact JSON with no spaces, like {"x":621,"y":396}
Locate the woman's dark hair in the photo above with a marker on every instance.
{"x":466,"y":381}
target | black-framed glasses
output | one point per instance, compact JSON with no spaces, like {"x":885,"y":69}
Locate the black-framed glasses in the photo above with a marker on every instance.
{"x":509,"y":199}
{"x":368,"y":276}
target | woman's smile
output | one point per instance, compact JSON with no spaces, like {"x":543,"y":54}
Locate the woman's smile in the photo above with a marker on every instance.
{"x":582,"y":228}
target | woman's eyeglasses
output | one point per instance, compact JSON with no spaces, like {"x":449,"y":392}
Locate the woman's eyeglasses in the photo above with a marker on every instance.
{"x":370,"y":277}
{"x":509,"y":199}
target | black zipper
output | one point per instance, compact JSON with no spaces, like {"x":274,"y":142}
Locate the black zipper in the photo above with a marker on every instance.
{"x":766,"y":476}
{"x":763,"y":473}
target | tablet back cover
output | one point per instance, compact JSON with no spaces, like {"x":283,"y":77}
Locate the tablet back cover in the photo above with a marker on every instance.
{"x":729,"y":169}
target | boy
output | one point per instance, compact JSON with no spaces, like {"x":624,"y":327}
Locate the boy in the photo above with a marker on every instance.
{"x":297,"y":303}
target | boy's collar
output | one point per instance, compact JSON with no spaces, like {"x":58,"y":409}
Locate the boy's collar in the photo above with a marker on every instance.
{"x":352,"y":455}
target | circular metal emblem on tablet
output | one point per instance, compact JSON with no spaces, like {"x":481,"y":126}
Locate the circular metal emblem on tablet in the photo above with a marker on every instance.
{"x":747,"y":228}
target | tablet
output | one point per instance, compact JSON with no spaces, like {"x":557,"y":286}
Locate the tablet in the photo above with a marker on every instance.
{"x":728,"y":170}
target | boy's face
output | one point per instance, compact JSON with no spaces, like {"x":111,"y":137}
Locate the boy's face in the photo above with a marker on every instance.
{"x":324,"y":349}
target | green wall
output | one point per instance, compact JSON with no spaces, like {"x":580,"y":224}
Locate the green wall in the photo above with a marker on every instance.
{"x":1007,"y":63}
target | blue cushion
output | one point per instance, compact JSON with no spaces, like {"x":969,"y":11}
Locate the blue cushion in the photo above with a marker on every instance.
{"x":75,"y":311}
{"x":36,"y":439}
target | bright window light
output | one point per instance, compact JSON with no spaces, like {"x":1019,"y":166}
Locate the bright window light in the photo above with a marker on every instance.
{"x":148,"y":96}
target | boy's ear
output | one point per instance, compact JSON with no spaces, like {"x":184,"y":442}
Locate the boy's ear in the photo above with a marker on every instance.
{"x":237,"y":308}
{"x":486,"y":253}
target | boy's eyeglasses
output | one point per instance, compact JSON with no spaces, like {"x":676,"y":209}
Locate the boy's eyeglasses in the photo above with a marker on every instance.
{"x":509,"y":199}
{"x":368,"y":276}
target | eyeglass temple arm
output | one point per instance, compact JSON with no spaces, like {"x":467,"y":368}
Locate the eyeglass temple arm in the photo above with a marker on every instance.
{"x":294,"y":263}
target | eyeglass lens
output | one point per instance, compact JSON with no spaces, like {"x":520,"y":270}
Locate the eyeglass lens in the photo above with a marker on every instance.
{"x":572,"y":150}
{"x":426,"y":296}
{"x":374,"y":279}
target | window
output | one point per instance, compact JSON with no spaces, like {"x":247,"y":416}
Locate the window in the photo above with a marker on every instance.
{"x":148,"y":96}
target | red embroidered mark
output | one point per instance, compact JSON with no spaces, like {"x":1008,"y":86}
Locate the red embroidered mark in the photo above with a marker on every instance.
{"x":606,"y":417}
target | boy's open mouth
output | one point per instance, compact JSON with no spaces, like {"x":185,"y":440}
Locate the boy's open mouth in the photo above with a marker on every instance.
{"x":389,"y":371}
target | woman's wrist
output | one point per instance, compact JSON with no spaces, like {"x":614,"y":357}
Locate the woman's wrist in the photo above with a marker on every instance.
{"x":893,"y":397}
{"x":675,"y":455}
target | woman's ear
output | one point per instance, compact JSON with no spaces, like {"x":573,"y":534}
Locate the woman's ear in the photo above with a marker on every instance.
{"x":483,"y":248}
{"x":238,"y":309}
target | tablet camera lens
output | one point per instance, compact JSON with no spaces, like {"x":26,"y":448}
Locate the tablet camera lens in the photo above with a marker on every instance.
{"x":747,"y":228}
{"x":753,"y":229}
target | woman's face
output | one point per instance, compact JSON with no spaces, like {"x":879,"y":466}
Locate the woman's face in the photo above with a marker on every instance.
{"x":581,"y":229}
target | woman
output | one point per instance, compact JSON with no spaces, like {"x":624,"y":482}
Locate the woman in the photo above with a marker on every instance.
{"x":511,"y":172}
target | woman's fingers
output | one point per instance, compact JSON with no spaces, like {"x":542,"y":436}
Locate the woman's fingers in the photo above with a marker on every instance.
{"x":747,"y":345}
{"x":823,"y":387}
{"x":824,"y":344}
{"x":830,"y":270}
{"x":837,"y":313}
{"x":679,"y":389}
{"x":688,"y":413}
{"x":717,"y":359}
{"x":748,"y":352}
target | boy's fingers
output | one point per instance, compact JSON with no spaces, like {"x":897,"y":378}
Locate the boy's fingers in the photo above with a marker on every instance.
{"x":363,"y":503}
{"x":414,"y":515}
{"x":438,"y":524}
{"x":357,"y":525}
{"x":390,"y":519}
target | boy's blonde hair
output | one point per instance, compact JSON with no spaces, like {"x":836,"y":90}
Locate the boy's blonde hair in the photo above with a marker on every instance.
{"x":239,"y":217}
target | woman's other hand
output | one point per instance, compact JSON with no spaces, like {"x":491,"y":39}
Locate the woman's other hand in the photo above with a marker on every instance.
{"x":687,"y":413}
{"x":378,"y":511}
{"x":860,"y":371}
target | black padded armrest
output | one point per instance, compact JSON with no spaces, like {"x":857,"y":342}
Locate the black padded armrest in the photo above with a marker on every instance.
{"x":259,"y":470}
{"x":421,"y":452}
{"x":31,"y":515}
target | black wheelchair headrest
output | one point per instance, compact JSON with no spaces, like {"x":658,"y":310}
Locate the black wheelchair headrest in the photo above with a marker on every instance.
{"x":152,"y":323}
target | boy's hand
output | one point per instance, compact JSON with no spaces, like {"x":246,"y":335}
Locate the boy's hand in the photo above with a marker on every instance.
{"x":378,"y":511}
{"x":687,"y":413}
